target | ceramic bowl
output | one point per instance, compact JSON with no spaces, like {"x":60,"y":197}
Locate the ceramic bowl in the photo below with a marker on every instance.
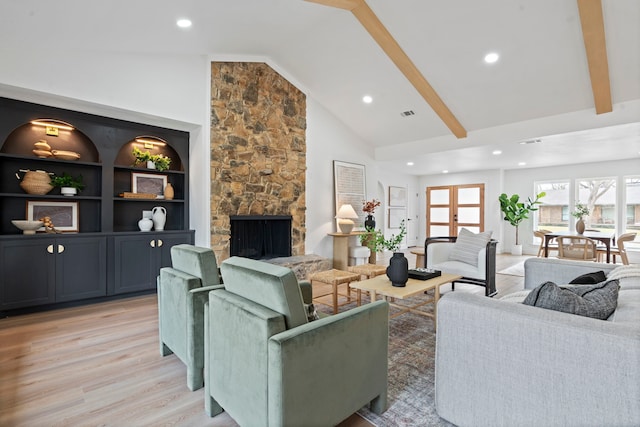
{"x":27,"y":227}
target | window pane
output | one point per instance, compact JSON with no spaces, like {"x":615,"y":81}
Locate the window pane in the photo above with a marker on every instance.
{"x":467,"y":196}
{"x":467,"y":215}
{"x":439,"y":197}
{"x":553,"y":213}
{"x":438,"y":231}
{"x":632,"y":223}
{"x":439,"y":214}
{"x":599,"y":195}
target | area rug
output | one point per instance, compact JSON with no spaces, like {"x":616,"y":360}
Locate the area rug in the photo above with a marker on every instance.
{"x":411,"y":374}
{"x":514,"y":270}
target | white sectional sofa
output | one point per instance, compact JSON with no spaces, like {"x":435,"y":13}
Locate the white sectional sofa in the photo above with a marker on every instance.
{"x":501,"y":363}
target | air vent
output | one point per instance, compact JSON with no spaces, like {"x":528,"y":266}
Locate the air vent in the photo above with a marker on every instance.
{"x":407,"y":113}
{"x":531,"y":141}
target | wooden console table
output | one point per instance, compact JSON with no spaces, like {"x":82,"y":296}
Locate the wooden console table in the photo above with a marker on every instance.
{"x":341,"y":249}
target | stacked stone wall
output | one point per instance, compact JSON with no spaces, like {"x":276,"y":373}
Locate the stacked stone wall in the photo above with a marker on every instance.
{"x":258,"y":149}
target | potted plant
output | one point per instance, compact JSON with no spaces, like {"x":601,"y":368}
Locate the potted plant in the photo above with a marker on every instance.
{"x":69,"y":186}
{"x":516,"y":211}
{"x":155,"y":161}
{"x":580,"y":212}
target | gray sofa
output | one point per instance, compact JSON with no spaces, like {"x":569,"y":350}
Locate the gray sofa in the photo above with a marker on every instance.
{"x":502,"y":363}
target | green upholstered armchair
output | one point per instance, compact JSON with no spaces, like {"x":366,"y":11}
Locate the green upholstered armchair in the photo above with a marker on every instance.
{"x":266,"y":365}
{"x":182,"y":293}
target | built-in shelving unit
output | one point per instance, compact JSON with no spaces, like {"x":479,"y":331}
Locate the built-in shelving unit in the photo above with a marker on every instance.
{"x":107,"y":222}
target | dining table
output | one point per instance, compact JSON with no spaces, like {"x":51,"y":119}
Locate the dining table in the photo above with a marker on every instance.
{"x":608,"y":239}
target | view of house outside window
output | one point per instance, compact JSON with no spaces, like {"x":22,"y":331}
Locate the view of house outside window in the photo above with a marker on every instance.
{"x":600,"y":197}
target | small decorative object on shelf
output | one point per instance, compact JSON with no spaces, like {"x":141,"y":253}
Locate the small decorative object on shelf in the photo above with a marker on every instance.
{"x":169,"y":192}
{"x":65,"y":155}
{"x":159,"y":218}
{"x":398,"y":270}
{"x":35,"y":182}
{"x":69,"y":186}
{"x":48,"y":225}
{"x":42,"y":149}
{"x":156,"y":161}
{"x":27,"y":227}
{"x":145,"y":224}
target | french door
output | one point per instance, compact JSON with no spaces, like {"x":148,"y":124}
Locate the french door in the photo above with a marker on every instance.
{"x":451,"y":207}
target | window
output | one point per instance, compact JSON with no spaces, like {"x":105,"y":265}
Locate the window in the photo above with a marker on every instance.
{"x":632,"y":201}
{"x":599,"y":194}
{"x":553,"y":213}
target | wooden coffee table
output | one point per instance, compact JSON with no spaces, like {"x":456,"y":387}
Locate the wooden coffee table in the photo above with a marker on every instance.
{"x":381,"y":285}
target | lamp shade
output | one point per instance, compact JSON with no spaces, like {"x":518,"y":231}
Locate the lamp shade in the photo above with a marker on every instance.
{"x":346,"y":215}
{"x":347,"y":212}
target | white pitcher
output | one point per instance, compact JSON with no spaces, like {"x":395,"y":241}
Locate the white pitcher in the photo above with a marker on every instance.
{"x":159,"y":218}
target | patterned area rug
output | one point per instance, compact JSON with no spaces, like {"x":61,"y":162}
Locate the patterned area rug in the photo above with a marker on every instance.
{"x":411,"y":372}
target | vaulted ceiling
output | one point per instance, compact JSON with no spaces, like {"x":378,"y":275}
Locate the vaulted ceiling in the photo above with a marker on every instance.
{"x":540,"y":83}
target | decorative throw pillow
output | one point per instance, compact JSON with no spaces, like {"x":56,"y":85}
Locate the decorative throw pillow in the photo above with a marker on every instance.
{"x":468,"y":245}
{"x":589,"y":278}
{"x":597,"y":301}
{"x":312,"y":314}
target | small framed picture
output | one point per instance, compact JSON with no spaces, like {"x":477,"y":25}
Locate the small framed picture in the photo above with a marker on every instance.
{"x":148,"y":183}
{"x":64,"y":215}
{"x":397,"y":196}
{"x":396,"y":216}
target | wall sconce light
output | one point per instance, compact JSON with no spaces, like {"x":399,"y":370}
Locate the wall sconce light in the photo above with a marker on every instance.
{"x":346,"y":215}
{"x":51,"y":126}
{"x":150,"y":141}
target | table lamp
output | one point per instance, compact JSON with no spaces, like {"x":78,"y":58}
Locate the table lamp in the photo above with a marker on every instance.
{"x":346,"y":215}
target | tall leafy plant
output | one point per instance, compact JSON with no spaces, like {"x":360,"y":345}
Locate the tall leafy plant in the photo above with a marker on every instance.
{"x":516,"y":211}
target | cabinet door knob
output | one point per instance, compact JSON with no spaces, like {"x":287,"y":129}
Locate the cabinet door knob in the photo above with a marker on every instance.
{"x":50,"y":249}
{"x":159,"y":242}
{"x":60,"y":249}
{"x":152,"y":243}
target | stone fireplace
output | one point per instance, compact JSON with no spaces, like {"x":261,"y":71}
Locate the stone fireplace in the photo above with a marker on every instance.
{"x":258,"y":150}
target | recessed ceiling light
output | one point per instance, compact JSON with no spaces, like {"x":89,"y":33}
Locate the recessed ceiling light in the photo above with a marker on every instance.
{"x":367,"y":99}
{"x":409,"y":163}
{"x":183,"y":23}
{"x":445,"y":171}
{"x":522,"y":163}
{"x":490,"y":58}
{"x":496,"y":152}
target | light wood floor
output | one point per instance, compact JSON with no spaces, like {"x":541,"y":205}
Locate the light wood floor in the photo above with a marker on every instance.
{"x":100,"y":365}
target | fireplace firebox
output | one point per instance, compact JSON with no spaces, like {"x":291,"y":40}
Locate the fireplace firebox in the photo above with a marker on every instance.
{"x":260,"y":236}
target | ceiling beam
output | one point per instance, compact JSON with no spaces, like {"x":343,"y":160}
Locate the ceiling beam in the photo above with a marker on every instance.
{"x":390,"y":46}
{"x":596,"y":48}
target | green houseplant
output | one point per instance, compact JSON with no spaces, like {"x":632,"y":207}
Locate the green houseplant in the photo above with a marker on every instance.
{"x":69,"y":185}
{"x":376,"y":241}
{"x":516,"y":211}
{"x":160,"y":162}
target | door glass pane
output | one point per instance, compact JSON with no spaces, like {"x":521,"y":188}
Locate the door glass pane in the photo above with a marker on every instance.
{"x":471,"y":215}
{"x":553,"y":213}
{"x":439,"y":215}
{"x":440,"y":197}
{"x":467,"y":196}
{"x":438,"y":230}
{"x":599,"y":195}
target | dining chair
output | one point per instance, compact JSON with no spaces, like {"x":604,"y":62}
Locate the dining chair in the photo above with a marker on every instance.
{"x":577,"y":247}
{"x":553,"y":246}
{"x":618,"y":249}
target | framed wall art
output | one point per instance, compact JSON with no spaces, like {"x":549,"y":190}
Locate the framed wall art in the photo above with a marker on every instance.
{"x":397,"y":196}
{"x":349,"y":181}
{"x":396,"y":216}
{"x":64,"y":215}
{"x":148,"y":183}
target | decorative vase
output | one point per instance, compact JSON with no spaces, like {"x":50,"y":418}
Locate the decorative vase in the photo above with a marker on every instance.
{"x":370,"y":222}
{"x":580,"y":226}
{"x":168,"y":191}
{"x":68,"y":191}
{"x":159,"y":218}
{"x":398,"y":270}
{"x":145,"y":224}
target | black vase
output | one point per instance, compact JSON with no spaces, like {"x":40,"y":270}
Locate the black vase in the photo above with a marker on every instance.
{"x":398,"y":270}
{"x":370,"y":222}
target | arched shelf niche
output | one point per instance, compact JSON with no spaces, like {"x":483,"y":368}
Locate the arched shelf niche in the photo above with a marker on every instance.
{"x":60,"y":136}
{"x":154,"y":145}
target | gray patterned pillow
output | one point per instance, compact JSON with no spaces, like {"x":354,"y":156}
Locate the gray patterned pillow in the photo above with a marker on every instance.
{"x":468,"y":245}
{"x":597,"y":301}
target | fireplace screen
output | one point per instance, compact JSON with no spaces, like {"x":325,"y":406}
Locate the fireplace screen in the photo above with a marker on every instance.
{"x":261,"y":236}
